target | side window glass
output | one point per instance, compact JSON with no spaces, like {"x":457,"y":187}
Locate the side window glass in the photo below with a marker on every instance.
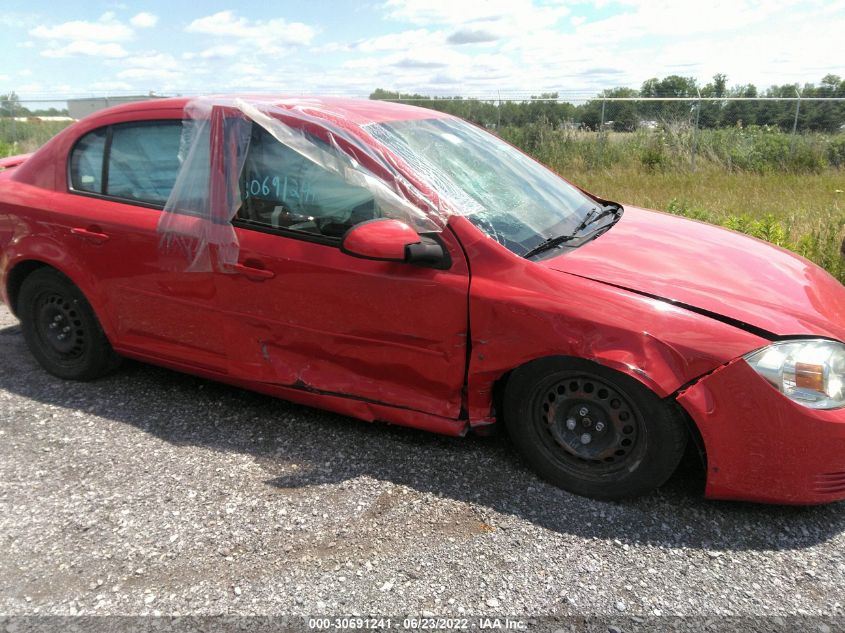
{"x":86,"y":162}
{"x":194,"y":169}
{"x":282,"y":189}
{"x":143,"y":161}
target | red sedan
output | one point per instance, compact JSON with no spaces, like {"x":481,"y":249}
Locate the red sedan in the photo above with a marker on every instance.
{"x":401,"y":265}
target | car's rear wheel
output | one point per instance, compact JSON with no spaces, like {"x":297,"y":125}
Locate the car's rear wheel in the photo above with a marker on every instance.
{"x":591,"y":430}
{"x":60,"y":328}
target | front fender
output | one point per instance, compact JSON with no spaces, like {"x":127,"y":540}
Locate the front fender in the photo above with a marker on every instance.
{"x":521,"y":311}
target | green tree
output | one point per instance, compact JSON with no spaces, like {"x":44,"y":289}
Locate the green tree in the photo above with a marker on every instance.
{"x":711,"y":111}
{"x":625,"y":115}
{"x":671,"y":86}
{"x":10,"y":105}
{"x":741,"y":113}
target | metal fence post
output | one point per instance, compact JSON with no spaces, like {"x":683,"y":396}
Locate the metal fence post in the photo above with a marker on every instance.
{"x":795,"y":124}
{"x":499,"y":111}
{"x":600,"y":138}
{"x":695,"y":129}
{"x":14,"y":126}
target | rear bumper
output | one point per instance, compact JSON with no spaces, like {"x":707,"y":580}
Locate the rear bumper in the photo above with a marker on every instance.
{"x":763,"y":447}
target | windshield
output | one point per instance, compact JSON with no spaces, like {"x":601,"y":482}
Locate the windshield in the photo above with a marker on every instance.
{"x":510,"y":197}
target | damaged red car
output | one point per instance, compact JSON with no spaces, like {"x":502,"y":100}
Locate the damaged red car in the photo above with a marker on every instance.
{"x":396,"y":264}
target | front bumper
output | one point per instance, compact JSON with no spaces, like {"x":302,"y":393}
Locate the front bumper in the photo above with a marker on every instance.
{"x":760,"y":445}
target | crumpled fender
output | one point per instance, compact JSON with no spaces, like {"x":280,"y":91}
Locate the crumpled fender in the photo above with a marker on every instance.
{"x":522,"y":311}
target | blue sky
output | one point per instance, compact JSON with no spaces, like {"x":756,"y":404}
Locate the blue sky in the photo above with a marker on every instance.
{"x":468,"y":47}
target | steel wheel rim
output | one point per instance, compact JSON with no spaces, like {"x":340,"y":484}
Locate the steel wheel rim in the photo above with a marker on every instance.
{"x":59,"y":327}
{"x":588,"y":426}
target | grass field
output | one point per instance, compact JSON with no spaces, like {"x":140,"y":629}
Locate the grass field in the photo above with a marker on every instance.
{"x":22,"y":137}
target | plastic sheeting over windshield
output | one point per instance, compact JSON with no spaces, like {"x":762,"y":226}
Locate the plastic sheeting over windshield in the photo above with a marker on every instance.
{"x":509,"y":196}
{"x":196,"y":225}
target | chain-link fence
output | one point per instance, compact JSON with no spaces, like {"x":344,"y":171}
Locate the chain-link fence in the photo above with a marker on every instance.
{"x":755,"y":134}
{"x":798,"y":134}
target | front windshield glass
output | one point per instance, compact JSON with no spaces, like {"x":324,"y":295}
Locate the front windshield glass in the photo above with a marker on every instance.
{"x":512,"y":198}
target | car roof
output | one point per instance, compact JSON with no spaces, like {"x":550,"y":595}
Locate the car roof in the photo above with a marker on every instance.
{"x":358,"y":111}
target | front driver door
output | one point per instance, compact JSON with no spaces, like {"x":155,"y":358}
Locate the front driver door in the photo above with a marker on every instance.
{"x":305,"y":315}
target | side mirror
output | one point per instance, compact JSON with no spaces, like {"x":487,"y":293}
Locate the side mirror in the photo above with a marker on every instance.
{"x":389,"y":240}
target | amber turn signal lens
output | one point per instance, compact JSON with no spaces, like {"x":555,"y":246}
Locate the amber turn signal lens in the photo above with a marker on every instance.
{"x":809,"y":377}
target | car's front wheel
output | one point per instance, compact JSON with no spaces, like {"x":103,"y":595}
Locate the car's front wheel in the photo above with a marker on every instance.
{"x":591,"y":430}
{"x":60,"y":328}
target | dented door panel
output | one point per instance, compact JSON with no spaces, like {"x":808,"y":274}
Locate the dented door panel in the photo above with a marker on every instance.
{"x":330,"y":323}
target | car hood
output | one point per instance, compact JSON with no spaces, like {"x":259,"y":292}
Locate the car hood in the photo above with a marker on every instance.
{"x":713,"y":270}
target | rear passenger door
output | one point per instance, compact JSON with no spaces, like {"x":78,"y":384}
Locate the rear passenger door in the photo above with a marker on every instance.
{"x":125,"y":172}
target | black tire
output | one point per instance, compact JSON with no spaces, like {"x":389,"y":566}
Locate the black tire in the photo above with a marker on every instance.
{"x":60,"y":328}
{"x":591,"y":430}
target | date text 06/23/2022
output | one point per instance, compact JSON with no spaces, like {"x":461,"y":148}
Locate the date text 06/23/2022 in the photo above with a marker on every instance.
{"x":422,"y":624}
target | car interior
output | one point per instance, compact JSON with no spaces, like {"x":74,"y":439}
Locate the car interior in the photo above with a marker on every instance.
{"x":282,"y":189}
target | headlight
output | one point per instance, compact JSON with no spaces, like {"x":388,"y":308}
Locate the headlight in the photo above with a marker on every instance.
{"x":811,"y":372}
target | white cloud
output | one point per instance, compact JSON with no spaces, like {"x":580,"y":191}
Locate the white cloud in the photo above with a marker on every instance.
{"x":144,"y":20}
{"x":106,"y":29}
{"x":266,"y":35}
{"x":83,"y":47}
{"x":214,"y":52}
{"x":413,"y":59}
{"x":403,"y":40}
{"x":107,"y":86}
{"x":473,"y":36}
{"x":16,"y":20}
{"x":155,"y":69}
{"x":149,"y":74}
{"x":151,"y":60}
{"x":466,"y":12}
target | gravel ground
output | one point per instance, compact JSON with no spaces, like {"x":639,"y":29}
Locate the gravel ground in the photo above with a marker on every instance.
{"x":152,"y":492}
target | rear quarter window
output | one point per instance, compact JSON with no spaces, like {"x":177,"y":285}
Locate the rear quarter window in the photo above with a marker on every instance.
{"x":86,"y":162}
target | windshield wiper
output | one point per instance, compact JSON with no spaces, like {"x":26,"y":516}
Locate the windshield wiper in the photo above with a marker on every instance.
{"x":592,"y":217}
{"x":552,"y":242}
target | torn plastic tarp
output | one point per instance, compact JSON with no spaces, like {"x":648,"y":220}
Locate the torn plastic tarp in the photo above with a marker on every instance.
{"x":197,"y":218}
{"x":420,"y":169}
